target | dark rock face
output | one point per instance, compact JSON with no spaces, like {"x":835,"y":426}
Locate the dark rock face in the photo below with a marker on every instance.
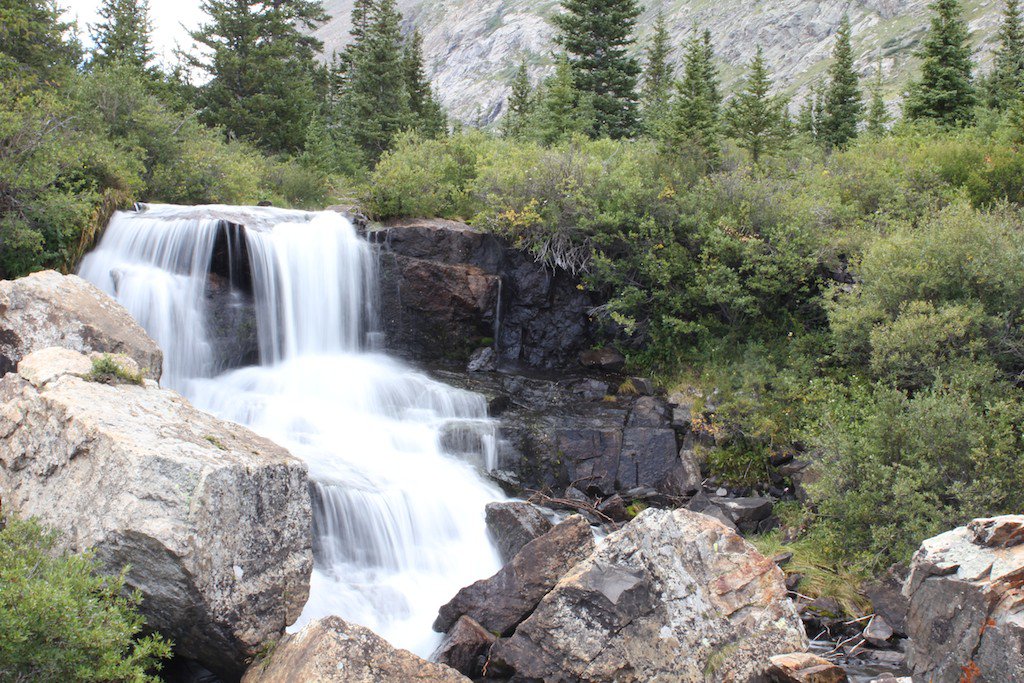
{"x":607,"y":360}
{"x":513,"y":525}
{"x":445,"y":288}
{"x":501,"y":602}
{"x":465,"y":647}
{"x":966,"y":616}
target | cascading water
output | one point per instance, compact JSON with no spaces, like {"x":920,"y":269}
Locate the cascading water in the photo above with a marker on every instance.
{"x":395,"y":456}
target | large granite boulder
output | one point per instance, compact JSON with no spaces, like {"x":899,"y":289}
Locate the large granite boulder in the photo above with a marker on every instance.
{"x":49,"y":309}
{"x":213,"y":520}
{"x":501,"y":602}
{"x":966,"y":615}
{"x":672,"y":596}
{"x":333,"y":650}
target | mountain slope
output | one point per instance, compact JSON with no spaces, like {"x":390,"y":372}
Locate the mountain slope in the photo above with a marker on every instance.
{"x":472,"y":47}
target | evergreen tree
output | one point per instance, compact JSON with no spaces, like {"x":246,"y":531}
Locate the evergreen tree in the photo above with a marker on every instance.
{"x":124,"y":35}
{"x":375,"y":100}
{"x":810,"y":114}
{"x":878,"y":114}
{"x":562,"y":110}
{"x":1006,"y":83}
{"x":426,"y":113}
{"x":656,"y":92}
{"x":944,"y":92}
{"x":519,"y":105}
{"x":694,"y":119}
{"x":263,"y":76}
{"x":757,"y":119}
{"x":842,"y":106}
{"x":36,"y":45}
{"x":597,"y":35}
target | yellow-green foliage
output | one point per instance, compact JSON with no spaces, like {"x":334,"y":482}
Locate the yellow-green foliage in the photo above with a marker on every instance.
{"x":110,"y":369}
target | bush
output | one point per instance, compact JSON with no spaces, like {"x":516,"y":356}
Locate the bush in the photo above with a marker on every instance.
{"x":63,"y":621}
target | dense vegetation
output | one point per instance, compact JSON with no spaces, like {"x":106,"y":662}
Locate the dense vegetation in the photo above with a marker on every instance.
{"x":62,"y":620}
{"x":844,"y":285}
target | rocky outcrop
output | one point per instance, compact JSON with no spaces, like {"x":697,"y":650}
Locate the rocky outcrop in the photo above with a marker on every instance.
{"x":213,"y":519}
{"x":673,"y":596}
{"x":333,"y":650}
{"x":501,"y":602}
{"x":513,"y":525}
{"x":447,"y":289}
{"x":49,"y":309}
{"x":966,"y":615}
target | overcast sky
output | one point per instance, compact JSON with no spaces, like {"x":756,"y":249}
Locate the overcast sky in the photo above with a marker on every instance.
{"x":168,"y":17}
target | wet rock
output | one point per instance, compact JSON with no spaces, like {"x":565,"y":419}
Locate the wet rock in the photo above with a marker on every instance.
{"x":465,"y":647}
{"x":685,"y":477}
{"x":332,"y":650}
{"x":804,"y":667}
{"x":966,"y":615}
{"x":513,"y":525}
{"x":502,"y":601}
{"x":878,"y":632}
{"x":673,"y":595}
{"x":605,"y":360}
{"x":483,"y":360}
{"x":213,"y":519}
{"x":48,"y":309}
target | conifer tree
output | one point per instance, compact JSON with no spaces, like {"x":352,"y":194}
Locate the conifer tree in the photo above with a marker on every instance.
{"x":656,"y":93}
{"x":36,"y":45}
{"x":1006,"y":83}
{"x":519,"y":105}
{"x":694,"y":119}
{"x":878,"y":114}
{"x":597,"y":35}
{"x":842,"y":106}
{"x":809,"y":116}
{"x":426,"y":114}
{"x":262,"y":71}
{"x":562,"y":110}
{"x":944,"y":92}
{"x":124,"y":35}
{"x":757,"y":119}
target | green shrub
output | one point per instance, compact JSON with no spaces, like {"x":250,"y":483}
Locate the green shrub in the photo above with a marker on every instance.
{"x":110,"y":369}
{"x":63,"y":621}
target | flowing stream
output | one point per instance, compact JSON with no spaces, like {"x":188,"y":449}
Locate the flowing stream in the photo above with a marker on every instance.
{"x":396,"y":458}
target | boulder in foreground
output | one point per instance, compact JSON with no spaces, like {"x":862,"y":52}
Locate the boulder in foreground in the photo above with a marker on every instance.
{"x":49,"y":309}
{"x":672,"y":596}
{"x":214,"y":520}
{"x":332,"y":649}
{"x":966,"y":592}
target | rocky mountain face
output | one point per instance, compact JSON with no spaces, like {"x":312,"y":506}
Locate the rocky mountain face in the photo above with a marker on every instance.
{"x":472,"y":47}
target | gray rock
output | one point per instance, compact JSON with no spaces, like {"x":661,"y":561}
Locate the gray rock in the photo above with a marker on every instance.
{"x":804,"y":667}
{"x":332,"y":650}
{"x":966,"y":608}
{"x":703,"y":504}
{"x":483,"y":360}
{"x":214,"y":520}
{"x":878,"y":632}
{"x":513,"y":525}
{"x":465,"y":647}
{"x":501,"y":602}
{"x":606,"y":360}
{"x":48,"y":309}
{"x":746,"y":512}
{"x":672,"y":596}
{"x":649,"y":411}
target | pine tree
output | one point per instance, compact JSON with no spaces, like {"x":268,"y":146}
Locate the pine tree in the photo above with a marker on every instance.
{"x":1006,"y":83}
{"x":36,"y":45}
{"x":757,"y":119}
{"x":124,"y":35}
{"x":694,"y":119}
{"x":944,"y":92}
{"x":597,"y":35}
{"x":562,"y":110}
{"x":656,"y":92}
{"x":263,"y":77}
{"x":843,"y":107}
{"x":519,"y":105}
{"x":810,"y":114}
{"x":878,"y":114}
{"x":375,"y":102}
{"x":426,"y":114}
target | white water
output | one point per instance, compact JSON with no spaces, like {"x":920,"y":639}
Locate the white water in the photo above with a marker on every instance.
{"x":396,"y":457}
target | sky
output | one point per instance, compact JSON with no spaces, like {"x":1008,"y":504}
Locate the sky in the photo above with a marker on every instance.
{"x":172,"y":19}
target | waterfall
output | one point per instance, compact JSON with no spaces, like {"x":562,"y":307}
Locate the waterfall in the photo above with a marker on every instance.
{"x":395,"y":458}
